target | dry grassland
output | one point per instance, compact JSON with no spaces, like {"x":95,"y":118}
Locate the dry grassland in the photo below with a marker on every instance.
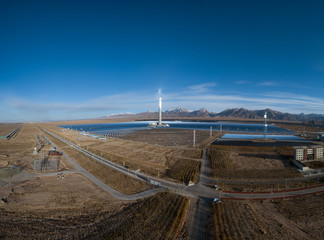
{"x":169,"y":136}
{"x":158,"y":217}
{"x":152,"y":159}
{"x":19,"y":149}
{"x":5,"y":129}
{"x":113,"y":178}
{"x":250,"y":163}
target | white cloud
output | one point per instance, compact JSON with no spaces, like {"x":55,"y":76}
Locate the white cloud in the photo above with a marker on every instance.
{"x":200,"y":88}
{"x":19,"y":109}
{"x":268,"y":83}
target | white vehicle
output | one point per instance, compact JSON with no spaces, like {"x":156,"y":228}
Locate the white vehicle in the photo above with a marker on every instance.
{"x":217,"y":200}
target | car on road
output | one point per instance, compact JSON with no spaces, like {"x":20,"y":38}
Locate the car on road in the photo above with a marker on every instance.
{"x":217,"y":200}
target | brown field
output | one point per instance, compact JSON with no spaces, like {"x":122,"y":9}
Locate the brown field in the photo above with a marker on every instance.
{"x":152,"y":159}
{"x":5,"y":129}
{"x":19,"y":150}
{"x":300,"y":218}
{"x":300,"y":127}
{"x":168,"y":137}
{"x":315,"y":164}
{"x":251,"y":163}
{"x":73,"y":209}
{"x":113,"y":178}
{"x":69,"y":206}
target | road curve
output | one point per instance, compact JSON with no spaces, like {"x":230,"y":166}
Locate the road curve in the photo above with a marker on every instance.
{"x":134,"y":174}
{"x":104,"y":186}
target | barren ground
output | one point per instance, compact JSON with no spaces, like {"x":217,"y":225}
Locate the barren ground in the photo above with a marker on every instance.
{"x":5,"y":129}
{"x":251,"y":163}
{"x":263,"y":160}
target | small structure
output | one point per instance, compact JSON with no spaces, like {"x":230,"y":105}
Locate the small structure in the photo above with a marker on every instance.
{"x":308,"y":153}
{"x":51,"y":162}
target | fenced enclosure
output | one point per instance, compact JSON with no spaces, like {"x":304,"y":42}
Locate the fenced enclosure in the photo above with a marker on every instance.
{"x":46,"y":163}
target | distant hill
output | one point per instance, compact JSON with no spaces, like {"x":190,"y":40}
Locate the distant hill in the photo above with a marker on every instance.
{"x":257,"y":114}
{"x":239,"y":113}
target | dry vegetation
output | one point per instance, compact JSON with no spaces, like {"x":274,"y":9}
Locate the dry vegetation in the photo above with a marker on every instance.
{"x":315,"y":164}
{"x":185,"y":171}
{"x":158,"y":217}
{"x":299,"y":127}
{"x":5,"y":129}
{"x":113,"y":178}
{"x":152,"y":159}
{"x":250,"y":163}
{"x":19,"y":149}
{"x":168,"y":137}
{"x":300,"y":218}
{"x":69,"y":206}
{"x":268,"y":184}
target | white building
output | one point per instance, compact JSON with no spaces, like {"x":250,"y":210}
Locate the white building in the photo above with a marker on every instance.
{"x":308,"y":153}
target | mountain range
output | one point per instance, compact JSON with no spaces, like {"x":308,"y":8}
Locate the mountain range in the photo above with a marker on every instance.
{"x":239,"y":113}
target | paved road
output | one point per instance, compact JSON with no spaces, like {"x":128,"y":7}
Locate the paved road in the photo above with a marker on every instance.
{"x":198,"y":225}
{"x":269,"y":195}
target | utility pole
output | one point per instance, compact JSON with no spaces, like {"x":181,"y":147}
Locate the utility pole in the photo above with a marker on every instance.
{"x":211,"y":132}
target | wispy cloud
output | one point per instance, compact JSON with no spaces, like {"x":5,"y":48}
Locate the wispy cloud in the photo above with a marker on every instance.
{"x":20,"y":109}
{"x":200,"y":88}
{"x":269,"y":83}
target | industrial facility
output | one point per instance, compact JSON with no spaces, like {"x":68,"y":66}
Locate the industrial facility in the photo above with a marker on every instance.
{"x":48,"y":163}
{"x":308,"y":153}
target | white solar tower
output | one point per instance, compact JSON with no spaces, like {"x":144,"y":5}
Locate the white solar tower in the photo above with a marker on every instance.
{"x":265,"y":125}
{"x":160,"y":112}
{"x":265,"y":119}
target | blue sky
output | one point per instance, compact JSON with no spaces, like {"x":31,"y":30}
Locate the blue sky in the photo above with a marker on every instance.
{"x":83,"y":59}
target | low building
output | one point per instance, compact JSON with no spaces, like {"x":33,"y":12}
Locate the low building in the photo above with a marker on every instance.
{"x":308,"y":153}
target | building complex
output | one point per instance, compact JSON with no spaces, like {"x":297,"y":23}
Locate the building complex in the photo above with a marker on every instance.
{"x":308,"y":153}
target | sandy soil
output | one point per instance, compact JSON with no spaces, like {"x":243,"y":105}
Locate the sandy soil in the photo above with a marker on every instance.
{"x":64,"y":191}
